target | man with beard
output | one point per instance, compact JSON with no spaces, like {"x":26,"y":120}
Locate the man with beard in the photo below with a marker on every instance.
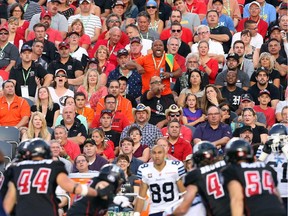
{"x":232,"y":63}
{"x":153,"y":64}
{"x":52,"y":35}
{"x":231,"y":91}
{"x":262,"y":77}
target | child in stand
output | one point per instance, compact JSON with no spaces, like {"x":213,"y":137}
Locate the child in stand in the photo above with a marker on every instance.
{"x":264,"y":99}
{"x":192,"y":115}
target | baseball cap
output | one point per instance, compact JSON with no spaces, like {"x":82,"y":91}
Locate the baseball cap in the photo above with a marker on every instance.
{"x":93,"y":60}
{"x":275,"y":28}
{"x":89,"y":140}
{"x":264,"y":91}
{"x":81,"y":1}
{"x":108,"y":112}
{"x":283,"y":6}
{"x":234,"y":56}
{"x":262,"y":69}
{"x":173,"y":108}
{"x":245,"y":128}
{"x":4,"y":27}
{"x":122,"y":52}
{"x":54,"y":1}
{"x":151,"y":3}
{"x":135,"y":40}
{"x":60,"y":70}
{"x":255,"y":2}
{"x":118,"y":3}
{"x":188,"y":157}
{"x":71,"y":33}
{"x":246,"y":97}
{"x":64,"y":44}
{"x":214,"y":1}
{"x":26,"y":47}
{"x":45,"y":13}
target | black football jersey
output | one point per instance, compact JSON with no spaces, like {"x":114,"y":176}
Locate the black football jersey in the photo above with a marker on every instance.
{"x":259,"y":183}
{"x":89,"y":206}
{"x":35,"y":183}
{"x":208,"y":180}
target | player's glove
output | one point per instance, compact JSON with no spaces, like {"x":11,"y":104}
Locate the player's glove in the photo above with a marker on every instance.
{"x":122,"y":201}
{"x":107,"y":191}
{"x":267,"y":147}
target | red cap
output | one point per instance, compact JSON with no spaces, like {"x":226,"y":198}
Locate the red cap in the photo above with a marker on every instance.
{"x":45,"y":13}
{"x":4,"y":27}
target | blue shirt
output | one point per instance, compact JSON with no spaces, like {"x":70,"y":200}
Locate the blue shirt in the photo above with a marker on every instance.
{"x":268,"y":12}
{"x":224,"y":20}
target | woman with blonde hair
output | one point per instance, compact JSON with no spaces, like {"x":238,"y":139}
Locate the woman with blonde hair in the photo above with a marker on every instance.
{"x":267,"y":61}
{"x":37,"y":128}
{"x":104,"y":66}
{"x":14,"y":37}
{"x":103,"y":148}
{"x":46,"y":106}
{"x":156,"y":23}
{"x":78,"y":26}
{"x":92,"y":88}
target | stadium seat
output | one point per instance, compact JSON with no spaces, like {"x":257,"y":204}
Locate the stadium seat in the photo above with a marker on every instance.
{"x":30,"y":102}
{"x":10,"y":135}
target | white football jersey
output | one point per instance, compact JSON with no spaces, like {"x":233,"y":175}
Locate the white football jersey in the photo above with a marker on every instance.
{"x":162,"y":185}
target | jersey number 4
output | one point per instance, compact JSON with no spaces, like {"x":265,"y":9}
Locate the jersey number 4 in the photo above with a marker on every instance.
{"x":255,"y":183}
{"x":214,"y":187}
{"x":40,"y":181}
{"x":168,"y":190}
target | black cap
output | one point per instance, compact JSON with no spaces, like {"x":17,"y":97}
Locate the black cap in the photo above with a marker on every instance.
{"x":275,"y":28}
{"x":89,"y":140}
{"x":283,"y":6}
{"x":245,"y":128}
{"x":93,"y":60}
{"x":73,"y":32}
{"x":214,"y":1}
{"x":246,"y":97}
{"x":26,"y":47}
{"x":234,"y":56}
{"x":122,"y":52}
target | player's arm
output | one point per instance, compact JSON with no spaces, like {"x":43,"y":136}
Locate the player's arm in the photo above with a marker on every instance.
{"x":70,"y":186}
{"x":236,"y":198}
{"x":140,"y":199}
{"x":180,"y":186}
{"x":187,"y":201}
{"x":10,"y":198}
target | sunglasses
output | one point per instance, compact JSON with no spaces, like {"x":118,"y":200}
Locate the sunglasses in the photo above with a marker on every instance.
{"x":176,"y":30}
{"x":151,"y":7}
{"x":225,"y":109}
{"x":173,"y":115}
{"x":4,"y":33}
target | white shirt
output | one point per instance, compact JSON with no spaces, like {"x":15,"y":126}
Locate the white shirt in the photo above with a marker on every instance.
{"x":79,"y":53}
{"x":214,"y":48}
{"x":256,"y":41}
{"x":146,"y":45}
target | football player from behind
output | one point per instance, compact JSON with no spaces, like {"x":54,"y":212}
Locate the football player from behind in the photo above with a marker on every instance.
{"x":275,"y":154}
{"x":163,"y":179}
{"x":207,"y":181}
{"x":251,"y":185}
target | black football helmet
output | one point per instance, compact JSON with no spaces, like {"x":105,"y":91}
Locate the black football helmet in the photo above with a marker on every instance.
{"x":21,"y":151}
{"x":113,"y":174}
{"x":39,"y":148}
{"x":278,"y":137}
{"x":204,"y":151}
{"x":238,"y":149}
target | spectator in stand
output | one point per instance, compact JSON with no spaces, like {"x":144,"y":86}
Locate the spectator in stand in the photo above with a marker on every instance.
{"x":189,"y":20}
{"x":179,"y":148}
{"x":269,"y":112}
{"x":37,"y":51}
{"x":123,"y":81}
{"x":94,"y":9}
{"x":140,"y":151}
{"x":104,"y":66}
{"x":150,"y":132}
{"x":197,"y":7}
{"x":143,"y":22}
{"x":59,"y":22}
{"x":207,"y":64}
{"x":81,"y":164}
{"x":123,"y":105}
{"x":224,"y":20}
{"x":69,"y":149}
{"x":77,"y":26}
{"x":9,"y":53}
{"x":14,"y":38}
{"x":66,"y":9}
{"x":15,"y":111}
{"x":156,"y":101}
{"x":267,"y":61}
{"x":284,"y":115}
{"x":87,"y":112}
{"x":92,"y":88}
{"x":118,"y":8}
{"x":260,"y":133}
{"x":30,"y":8}
{"x":16,"y":10}
{"x":254,"y":12}
{"x":262,"y":82}
{"x":186,"y":36}
{"x":280,"y":106}
{"x":175,"y":113}
{"x":119,"y":119}
{"x":156,"y":23}
{"x":230,"y":8}
{"x":130,"y":10}
{"x":37,"y":128}
{"x":92,"y":23}
{"x":76,"y":51}
{"x":103,"y":148}
{"x":226,"y":115}
{"x":45,"y":105}
{"x":162,"y":141}
{"x":282,"y":10}
{"x":52,"y":35}
{"x":95,"y":161}
{"x":268,"y":11}
{"x":213,"y":130}
{"x":212,"y":97}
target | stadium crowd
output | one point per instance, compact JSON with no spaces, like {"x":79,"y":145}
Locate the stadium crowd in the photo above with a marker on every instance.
{"x":104,"y":82}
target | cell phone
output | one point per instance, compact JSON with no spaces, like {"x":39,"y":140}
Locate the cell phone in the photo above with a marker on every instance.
{"x":283,"y":34}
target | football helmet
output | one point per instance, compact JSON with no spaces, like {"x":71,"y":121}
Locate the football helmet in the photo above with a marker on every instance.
{"x":204,"y":151}
{"x":278,"y":136}
{"x":21,"y":151}
{"x":39,"y":148}
{"x":238,"y":149}
{"x":113,"y":174}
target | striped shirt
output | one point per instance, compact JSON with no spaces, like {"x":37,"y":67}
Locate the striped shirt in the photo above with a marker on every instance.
{"x":90,"y":23}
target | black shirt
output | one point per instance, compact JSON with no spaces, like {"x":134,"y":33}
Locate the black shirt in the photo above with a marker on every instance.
{"x":50,"y":113}
{"x":264,"y":48}
{"x":273,"y":75}
{"x":184,"y":48}
{"x":257,"y":131}
{"x":113,"y":136}
{"x":223,"y":30}
{"x":233,"y":97}
{"x":274,"y":93}
{"x":18,"y":73}
{"x":104,"y":4}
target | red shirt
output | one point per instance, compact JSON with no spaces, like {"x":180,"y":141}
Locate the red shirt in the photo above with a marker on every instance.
{"x":186,"y":37}
{"x":213,"y":65}
{"x":262,"y":26}
{"x":198,"y":7}
{"x":269,"y":113}
{"x":84,"y":39}
{"x":53,"y":35}
{"x":72,"y":149}
{"x":181,"y":149}
{"x":124,"y":40}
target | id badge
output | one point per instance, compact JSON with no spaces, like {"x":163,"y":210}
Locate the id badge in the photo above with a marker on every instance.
{"x":24,"y":91}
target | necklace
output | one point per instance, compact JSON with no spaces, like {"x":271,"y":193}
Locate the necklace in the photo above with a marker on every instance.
{"x":2,"y":54}
{"x":154,"y":62}
{"x":108,"y":46}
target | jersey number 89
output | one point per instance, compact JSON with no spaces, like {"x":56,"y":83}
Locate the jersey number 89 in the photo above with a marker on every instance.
{"x":167,"y":189}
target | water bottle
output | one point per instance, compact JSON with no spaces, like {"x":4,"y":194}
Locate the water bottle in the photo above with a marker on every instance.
{"x":162,"y":73}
